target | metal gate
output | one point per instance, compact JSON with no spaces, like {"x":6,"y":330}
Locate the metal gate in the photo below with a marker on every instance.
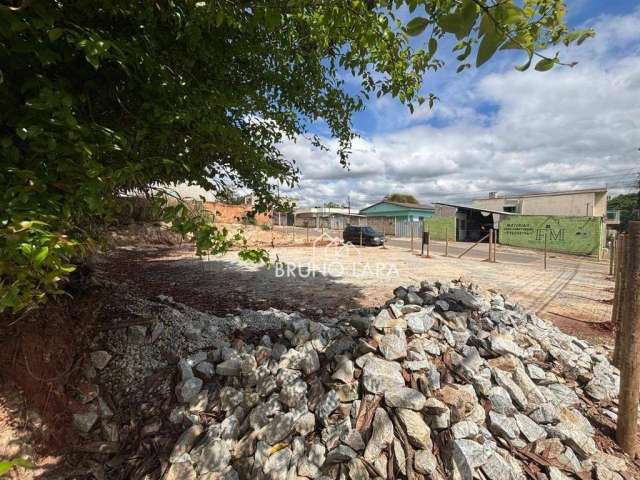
{"x":404,"y":227}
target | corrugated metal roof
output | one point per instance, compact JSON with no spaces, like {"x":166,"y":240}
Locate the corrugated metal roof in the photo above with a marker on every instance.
{"x":468,"y":207}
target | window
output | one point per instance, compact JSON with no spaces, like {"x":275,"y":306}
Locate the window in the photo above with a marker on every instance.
{"x":509,"y":209}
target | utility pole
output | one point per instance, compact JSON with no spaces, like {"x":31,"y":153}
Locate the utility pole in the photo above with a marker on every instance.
{"x":638,"y":197}
{"x":630,"y":356}
{"x":618,"y":297}
{"x":349,"y":203}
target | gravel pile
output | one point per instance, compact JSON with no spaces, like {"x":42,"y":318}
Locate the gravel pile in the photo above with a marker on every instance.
{"x":441,"y":383}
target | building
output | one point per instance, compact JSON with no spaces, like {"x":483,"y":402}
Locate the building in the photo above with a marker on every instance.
{"x":398,"y":211}
{"x":463,"y":223}
{"x":591,"y":202}
{"x":320,"y":217}
{"x":577,"y":235}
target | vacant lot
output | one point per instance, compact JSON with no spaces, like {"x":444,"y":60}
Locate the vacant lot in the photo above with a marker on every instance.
{"x":573,"y":292}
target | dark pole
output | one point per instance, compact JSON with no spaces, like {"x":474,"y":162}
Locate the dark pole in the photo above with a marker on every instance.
{"x":629,"y":396}
{"x":638,"y":202}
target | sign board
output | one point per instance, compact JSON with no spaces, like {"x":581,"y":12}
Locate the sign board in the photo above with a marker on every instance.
{"x":574,"y":235}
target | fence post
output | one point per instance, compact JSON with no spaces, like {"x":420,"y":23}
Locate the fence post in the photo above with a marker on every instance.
{"x":618,"y":297}
{"x":495,"y":244}
{"x":446,"y":241}
{"x":545,"y":250}
{"x":490,"y":243}
{"x":273,"y":227}
{"x":611,"y":254}
{"x":428,"y":243}
{"x":411,"y":238}
{"x":384,"y":234}
{"x":630,"y":358}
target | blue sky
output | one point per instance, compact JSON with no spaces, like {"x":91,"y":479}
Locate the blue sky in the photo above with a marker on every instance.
{"x":496,"y":129}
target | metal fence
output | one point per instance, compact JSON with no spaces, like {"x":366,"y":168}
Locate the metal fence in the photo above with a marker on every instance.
{"x":404,"y":228}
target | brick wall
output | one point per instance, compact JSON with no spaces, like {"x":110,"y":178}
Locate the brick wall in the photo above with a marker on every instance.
{"x":225,"y":213}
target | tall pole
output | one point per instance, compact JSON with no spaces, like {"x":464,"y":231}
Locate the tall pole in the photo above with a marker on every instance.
{"x":545,"y":250}
{"x":411,"y":238}
{"x":619,"y":297}
{"x":384,"y":234}
{"x":630,"y":360}
{"x":612,"y":250}
{"x":490,"y":243}
{"x":495,"y":241}
{"x":428,"y":243}
{"x":446,"y":241}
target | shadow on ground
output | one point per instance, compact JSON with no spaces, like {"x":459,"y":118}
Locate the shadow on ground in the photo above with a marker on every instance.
{"x":221,"y":286}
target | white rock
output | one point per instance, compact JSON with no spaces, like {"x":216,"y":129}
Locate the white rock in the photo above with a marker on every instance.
{"x":381,"y":437}
{"x":380,"y":375}
{"x":465,"y":429}
{"x":100,"y":358}
{"x":417,"y":430}
{"x":405,"y":398}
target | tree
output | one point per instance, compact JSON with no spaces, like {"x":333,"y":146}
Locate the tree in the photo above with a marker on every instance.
{"x":402,"y":198}
{"x":627,"y":204}
{"x":334,"y":205}
{"x":104,"y":97}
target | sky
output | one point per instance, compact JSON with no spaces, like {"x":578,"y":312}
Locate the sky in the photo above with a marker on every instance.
{"x":497,"y":129}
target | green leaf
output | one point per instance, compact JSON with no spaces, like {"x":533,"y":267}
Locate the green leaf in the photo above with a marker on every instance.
{"x":55,"y":34}
{"x":486,"y":25}
{"x":487,"y":48}
{"x":433,"y":46}
{"x":545,"y":64}
{"x":509,"y":13}
{"x":416,"y":26}
{"x":467,"y":19}
{"x":41,"y":255}
{"x":585,"y":35}
{"x":449,"y":23}
{"x":7,"y":465}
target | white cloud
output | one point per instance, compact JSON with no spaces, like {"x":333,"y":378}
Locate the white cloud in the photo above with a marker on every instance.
{"x":500,"y":130}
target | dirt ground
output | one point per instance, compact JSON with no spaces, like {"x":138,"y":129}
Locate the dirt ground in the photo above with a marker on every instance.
{"x":574,"y":292}
{"x":37,"y":388}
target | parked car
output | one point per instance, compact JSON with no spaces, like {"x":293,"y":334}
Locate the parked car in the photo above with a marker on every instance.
{"x":367,"y":235}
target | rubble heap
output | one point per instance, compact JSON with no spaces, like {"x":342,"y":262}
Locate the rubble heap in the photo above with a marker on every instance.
{"x":442,"y":383}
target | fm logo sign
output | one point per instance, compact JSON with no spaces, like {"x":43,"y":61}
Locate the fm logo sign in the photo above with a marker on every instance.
{"x":551,"y":234}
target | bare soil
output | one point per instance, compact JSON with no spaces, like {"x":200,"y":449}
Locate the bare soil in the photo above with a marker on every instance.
{"x":41,"y":355}
{"x":573,"y":293}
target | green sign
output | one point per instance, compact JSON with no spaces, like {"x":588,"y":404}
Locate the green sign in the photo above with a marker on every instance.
{"x":576,"y":235}
{"x":438,"y":227}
